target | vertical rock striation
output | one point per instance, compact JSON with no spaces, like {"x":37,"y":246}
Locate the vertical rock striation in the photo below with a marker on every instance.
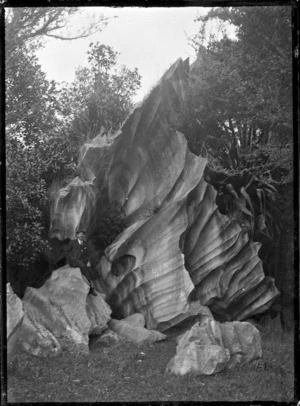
{"x":177,"y":248}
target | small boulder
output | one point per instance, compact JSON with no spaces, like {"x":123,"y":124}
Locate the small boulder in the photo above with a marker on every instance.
{"x":14,"y":309}
{"x":207,"y":332}
{"x":14,"y":320}
{"x":200,"y":359}
{"x":135,"y":334}
{"x":98,"y":312}
{"x":136,"y":319}
{"x":37,"y":340}
{"x":107,"y":339}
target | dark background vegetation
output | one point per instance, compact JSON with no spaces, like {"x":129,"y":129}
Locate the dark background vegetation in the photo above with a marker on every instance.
{"x":240,"y":118}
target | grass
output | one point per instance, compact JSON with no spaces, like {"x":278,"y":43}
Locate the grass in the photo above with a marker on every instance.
{"x":127,"y":373}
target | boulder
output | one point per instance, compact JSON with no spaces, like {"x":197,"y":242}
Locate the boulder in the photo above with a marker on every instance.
{"x":209,"y":347}
{"x":64,"y":308}
{"x":136,"y":319}
{"x":98,"y":313}
{"x":243,"y":341}
{"x":14,"y":319}
{"x":37,"y":340}
{"x":199,"y":359}
{"x":135,"y":334}
{"x":107,"y":339}
{"x":14,"y":311}
{"x":176,"y":247}
{"x":27,"y":334}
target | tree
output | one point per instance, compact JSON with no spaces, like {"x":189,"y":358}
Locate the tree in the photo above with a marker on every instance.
{"x":28,"y":26}
{"x":46,"y":127}
{"x":241,"y":103}
{"x":241,"y":94}
{"x":31,"y":127}
{"x":100,"y":98}
{"x":30,"y":98}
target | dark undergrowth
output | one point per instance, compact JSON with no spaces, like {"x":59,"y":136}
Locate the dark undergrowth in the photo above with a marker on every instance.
{"x":127,"y":373}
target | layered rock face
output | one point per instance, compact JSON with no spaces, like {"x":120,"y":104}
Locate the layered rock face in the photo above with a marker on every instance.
{"x":177,"y":249}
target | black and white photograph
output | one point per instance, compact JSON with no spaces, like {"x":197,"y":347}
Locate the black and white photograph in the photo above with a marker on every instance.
{"x":150,"y":204}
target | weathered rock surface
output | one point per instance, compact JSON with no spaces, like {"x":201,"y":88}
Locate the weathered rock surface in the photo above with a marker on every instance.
{"x":243,"y":341}
{"x":14,"y":319}
{"x":136,"y":319}
{"x":107,"y":339}
{"x":135,"y":333}
{"x":177,"y":247}
{"x":37,"y":340}
{"x":209,"y":347}
{"x":14,"y":308}
{"x":63,"y":308}
{"x":203,"y":360}
{"x":71,"y":211}
{"x":98,"y":313}
{"x":22,"y":332}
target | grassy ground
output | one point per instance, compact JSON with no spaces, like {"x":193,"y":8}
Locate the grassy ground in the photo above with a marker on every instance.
{"x":126,"y":373}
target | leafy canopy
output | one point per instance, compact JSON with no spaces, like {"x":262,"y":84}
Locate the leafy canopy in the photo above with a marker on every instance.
{"x":241,"y":104}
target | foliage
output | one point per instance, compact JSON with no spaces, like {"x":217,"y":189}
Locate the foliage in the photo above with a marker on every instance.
{"x":258,"y":62}
{"x":34,"y":151}
{"x":30,"y":98}
{"x":99,"y":98}
{"x":26,"y":198}
{"x":110,"y":223}
{"x":47,"y":126}
{"x":30,"y":117}
{"x":241,"y":103}
{"x":30,"y":26}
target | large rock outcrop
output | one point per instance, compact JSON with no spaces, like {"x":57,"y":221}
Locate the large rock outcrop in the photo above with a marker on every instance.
{"x":177,"y":249}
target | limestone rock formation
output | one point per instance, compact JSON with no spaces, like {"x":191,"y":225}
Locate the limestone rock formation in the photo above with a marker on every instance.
{"x":209,"y":347}
{"x":176,"y":248}
{"x":64,"y":309}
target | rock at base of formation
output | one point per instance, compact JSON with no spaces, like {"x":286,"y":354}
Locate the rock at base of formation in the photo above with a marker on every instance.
{"x":210,"y":347}
{"x":63,"y":310}
{"x":37,"y":340}
{"x":107,"y":339}
{"x":15,"y":316}
{"x":26,"y":334}
{"x":134,"y":332}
